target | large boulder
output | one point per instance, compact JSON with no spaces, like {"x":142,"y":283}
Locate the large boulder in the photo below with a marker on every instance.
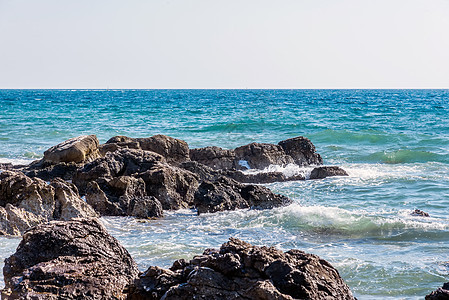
{"x":242,"y":271}
{"x":78,"y":150}
{"x":228,"y":194}
{"x":301,"y":150}
{"x":26,"y":202}
{"x":75,"y":259}
{"x":441,"y":293}
{"x":260,"y":156}
{"x":214,"y":157}
{"x":174,"y":150}
{"x":174,"y":187}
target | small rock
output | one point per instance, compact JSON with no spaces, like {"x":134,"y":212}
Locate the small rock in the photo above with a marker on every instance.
{"x":327,"y":171}
{"x":419,"y":213}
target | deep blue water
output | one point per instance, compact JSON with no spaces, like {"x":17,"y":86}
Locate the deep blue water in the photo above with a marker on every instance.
{"x":393,"y":143}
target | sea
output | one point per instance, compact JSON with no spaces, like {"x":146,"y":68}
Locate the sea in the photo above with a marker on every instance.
{"x":393,"y":143}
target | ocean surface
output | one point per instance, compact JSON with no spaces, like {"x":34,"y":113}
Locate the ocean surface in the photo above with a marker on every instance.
{"x":393,"y":143}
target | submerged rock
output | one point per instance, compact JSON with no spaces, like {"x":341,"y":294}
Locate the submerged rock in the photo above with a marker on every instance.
{"x":419,"y":213}
{"x":242,"y":271}
{"x":75,"y":259}
{"x":227,"y":194}
{"x":26,"y":202}
{"x":440,"y":294}
{"x":327,"y":171}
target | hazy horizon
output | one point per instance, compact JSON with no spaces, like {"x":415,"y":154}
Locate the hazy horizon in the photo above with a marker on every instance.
{"x":202,"y":44}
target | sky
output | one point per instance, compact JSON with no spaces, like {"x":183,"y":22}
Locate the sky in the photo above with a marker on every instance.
{"x":224,"y":44}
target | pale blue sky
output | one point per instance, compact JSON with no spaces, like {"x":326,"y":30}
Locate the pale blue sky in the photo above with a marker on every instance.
{"x":224,"y":44}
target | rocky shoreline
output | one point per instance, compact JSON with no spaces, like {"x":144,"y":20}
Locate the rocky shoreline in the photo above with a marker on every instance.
{"x":67,"y":254}
{"x":78,"y":259}
{"x":142,"y":177}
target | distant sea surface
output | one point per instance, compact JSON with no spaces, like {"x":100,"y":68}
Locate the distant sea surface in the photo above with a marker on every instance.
{"x":393,"y":143}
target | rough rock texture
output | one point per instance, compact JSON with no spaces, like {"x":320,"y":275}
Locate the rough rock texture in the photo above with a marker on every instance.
{"x":123,"y":162}
{"x":75,"y":259}
{"x":77,"y":150}
{"x":260,"y":156}
{"x":242,"y":271}
{"x":227,"y":194}
{"x":440,"y":294}
{"x":214,"y":157}
{"x":174,"y":150}
{"x":174,"y":187}
{"x":26,"y":202}
{"x":129,"y":174}
{"x":298,"y":150}
{"x":301,"y":150}
{"x":146,"y":207}
{"x":48,"y":171}
{"x":327,"y":171}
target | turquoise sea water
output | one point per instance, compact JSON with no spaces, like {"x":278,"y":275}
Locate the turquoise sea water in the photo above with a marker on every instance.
{"x":393,"y":143}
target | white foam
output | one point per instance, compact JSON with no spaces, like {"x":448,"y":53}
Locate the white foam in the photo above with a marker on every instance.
{"x":289,"y":170}
{"x":16,"y":161}
{"x":244,"y":164}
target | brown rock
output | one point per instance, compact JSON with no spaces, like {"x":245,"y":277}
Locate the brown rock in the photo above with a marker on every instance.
{"x":301,"y":150}
{"x":214,"y":157}
{"x":227,"y":194}
{"x":77,"y":150}
{"x":74,"y":259}
{"x":327,"y":171}
{"x":242,"y":271}
{"x":260,"y":156}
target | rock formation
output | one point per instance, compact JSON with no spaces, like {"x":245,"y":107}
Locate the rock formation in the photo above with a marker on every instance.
{"x":227,"y":194}
{"x":242,"y":271}
{"x":75,"y":259}
{"x":138,"y":176}
{"x":26,"y":202}
{"x":441,"y":293}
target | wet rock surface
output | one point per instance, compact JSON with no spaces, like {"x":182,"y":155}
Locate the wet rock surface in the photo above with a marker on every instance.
{"x":242,"y":271}
{"x":227,"y":194}
{"x":74,"y":259}
{"x":327,"y":171}
{"x":441,"y":293}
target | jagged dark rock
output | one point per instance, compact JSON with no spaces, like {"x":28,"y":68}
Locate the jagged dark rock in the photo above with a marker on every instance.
{"x":174,"y":187}
{"x":242,"y":271}
{"x":214,"y":157}
{"x":123,"y":162}
{"x":260,"y":156}
{"x":327,"y":171}
{"x":441,"y":293}
{"x":74,"y":259}
{"x":301,"y":150}
{"x":228,"y":194}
